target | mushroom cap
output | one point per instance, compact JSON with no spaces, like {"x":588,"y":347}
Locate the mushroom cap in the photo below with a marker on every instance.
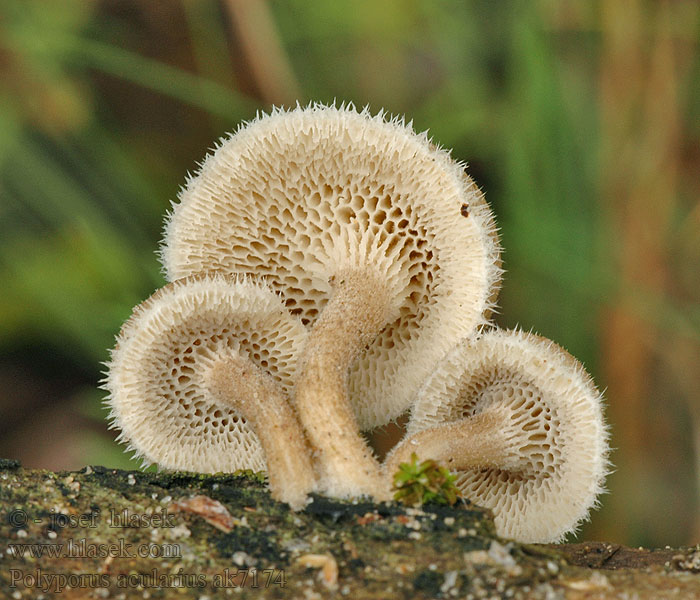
{"x":156,"y":376}
{"x":298,"y":196}
{"x":556,"y":414}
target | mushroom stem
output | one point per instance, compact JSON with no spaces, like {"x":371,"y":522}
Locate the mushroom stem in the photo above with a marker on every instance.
{"x":355,"y":314}
{"x":238,"y":382}
{"x":476,"y":442}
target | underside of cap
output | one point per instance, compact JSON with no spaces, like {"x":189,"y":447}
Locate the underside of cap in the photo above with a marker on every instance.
{"x":298,"y":196}
{"x":555,"y":416}
{"x":158,"y":396}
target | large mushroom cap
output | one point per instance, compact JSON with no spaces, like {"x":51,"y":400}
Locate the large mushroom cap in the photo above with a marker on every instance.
{"x":156,"y":379}
{"x":297,"y":196}
{"x":555,"y":418}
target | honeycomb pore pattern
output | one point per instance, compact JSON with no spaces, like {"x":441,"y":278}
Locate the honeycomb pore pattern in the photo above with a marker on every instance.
{"x":555,"y":429}
{"x":294,"y":197}
{"x":156,"y":378}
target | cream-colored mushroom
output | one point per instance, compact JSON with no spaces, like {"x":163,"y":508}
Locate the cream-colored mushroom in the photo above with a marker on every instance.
{"x":520,"y":422}
{"x":372,"y":235}
{"x":199,"y":381}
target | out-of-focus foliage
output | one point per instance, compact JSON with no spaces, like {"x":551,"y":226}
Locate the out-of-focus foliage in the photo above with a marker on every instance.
{"x":581,"y":121}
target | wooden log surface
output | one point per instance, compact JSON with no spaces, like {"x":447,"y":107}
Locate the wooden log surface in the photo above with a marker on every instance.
{"x":107,"y":533}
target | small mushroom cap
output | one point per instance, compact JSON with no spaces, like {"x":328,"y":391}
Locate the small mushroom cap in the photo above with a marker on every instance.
{"x":556,"y":419}
{"x":156,"y":376}
{"x":299,"y":196}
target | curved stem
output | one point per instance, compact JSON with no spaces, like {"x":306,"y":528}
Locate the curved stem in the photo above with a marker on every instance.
{"x":482,"y":441}
{"x":353,"y":317}
{"x":238,"y":382}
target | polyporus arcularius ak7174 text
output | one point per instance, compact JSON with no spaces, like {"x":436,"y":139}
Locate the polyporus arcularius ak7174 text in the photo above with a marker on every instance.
{"x":383,"y":256}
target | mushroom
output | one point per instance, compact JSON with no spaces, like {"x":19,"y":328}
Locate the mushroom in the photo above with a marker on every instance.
{"x":372,"y":235}
{"x":199,"y":380}
{"x":520,"y":422}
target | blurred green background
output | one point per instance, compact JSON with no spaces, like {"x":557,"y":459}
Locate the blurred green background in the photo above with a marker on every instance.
{"x":580,"y":120}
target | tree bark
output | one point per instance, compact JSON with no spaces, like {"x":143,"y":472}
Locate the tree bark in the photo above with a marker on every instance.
{"x":106,"y":532}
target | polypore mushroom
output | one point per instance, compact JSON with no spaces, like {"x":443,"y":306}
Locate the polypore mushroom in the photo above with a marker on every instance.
{"x":372,"y":235}
{"x":199,"y":380}
{"x":520,"y":422}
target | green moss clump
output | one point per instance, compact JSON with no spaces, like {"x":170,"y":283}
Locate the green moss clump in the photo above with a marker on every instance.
{"x":426,"y":482}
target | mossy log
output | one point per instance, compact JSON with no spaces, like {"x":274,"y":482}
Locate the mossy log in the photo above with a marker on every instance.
{"x":107,"y":533}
